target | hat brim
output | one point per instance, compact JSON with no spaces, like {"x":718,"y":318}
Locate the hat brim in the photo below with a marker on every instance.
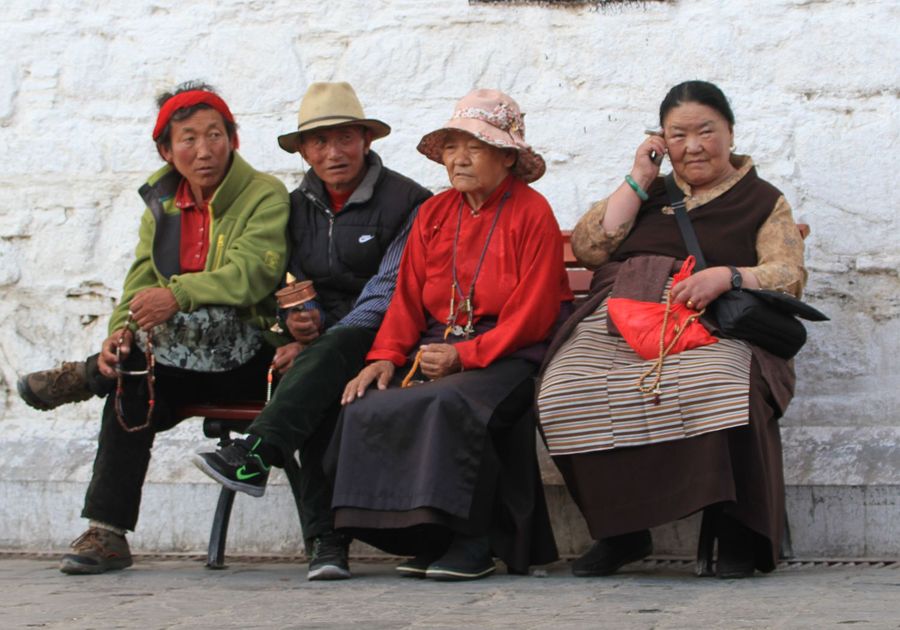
{"x":529,"y":166}
{"x":290,"y":141}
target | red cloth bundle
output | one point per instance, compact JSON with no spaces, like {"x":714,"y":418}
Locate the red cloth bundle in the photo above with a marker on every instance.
{"x":641,"y":323}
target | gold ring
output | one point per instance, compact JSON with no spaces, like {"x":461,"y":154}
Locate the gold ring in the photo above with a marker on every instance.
{"x":690,"y":304}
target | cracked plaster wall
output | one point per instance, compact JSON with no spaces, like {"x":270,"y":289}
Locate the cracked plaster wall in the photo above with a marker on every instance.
{"x":814,"y":87}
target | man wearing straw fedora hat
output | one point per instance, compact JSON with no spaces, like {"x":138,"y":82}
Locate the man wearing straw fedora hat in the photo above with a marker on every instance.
{"x":350,"y":217}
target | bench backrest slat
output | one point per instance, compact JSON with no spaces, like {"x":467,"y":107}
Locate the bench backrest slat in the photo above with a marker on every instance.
{"x":579,"y":277}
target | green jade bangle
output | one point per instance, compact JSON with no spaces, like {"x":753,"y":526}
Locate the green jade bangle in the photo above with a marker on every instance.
{"x":640,"y":192}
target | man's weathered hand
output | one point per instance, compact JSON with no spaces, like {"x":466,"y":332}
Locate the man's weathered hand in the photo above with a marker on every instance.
{"x":439,"y":359}
{"x":304,"y":326}
{"x":152,"y":307}
{"x":285,"y":355}
{"x":106,"y":362}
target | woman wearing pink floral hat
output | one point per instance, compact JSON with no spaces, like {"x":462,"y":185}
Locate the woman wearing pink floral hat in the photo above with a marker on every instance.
{"x":437,"y":460}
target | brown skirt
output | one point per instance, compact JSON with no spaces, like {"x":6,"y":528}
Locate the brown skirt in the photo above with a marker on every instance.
{"x":631,"y":489}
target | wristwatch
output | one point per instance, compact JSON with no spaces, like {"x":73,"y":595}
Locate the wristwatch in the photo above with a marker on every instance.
{"x":736,"y":279}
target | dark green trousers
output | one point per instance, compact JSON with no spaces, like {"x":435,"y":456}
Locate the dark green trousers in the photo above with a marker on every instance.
{"x":304,"y":409}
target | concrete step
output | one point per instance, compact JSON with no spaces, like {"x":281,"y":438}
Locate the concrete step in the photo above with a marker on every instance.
{"x":47,"y":465}
{"x":826,"y":521}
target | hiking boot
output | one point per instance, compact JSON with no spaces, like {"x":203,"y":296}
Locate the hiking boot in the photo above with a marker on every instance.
{"x":49,"y":389}
{"x":96,"y":551}
{"x":237,"y":466}
{"x":608,"y":555}
{"x":468,"y":558}
{"x":328,"y":557}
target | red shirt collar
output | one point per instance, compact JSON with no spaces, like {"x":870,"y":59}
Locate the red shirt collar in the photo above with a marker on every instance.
{"x":184,"y":198}
{"x":338,"y":200}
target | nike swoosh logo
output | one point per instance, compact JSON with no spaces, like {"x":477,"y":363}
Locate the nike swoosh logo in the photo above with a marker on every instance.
{"x":365,"y":238}
{"x":243,"y":475}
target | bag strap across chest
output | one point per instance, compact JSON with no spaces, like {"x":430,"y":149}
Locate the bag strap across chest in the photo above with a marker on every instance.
{"x":676,"y":200}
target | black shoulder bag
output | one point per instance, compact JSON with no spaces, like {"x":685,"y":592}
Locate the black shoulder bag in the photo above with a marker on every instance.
{"x":762,"y":317}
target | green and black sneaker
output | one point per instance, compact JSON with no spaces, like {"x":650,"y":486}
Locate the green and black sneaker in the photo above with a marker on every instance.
{"x":237,"y":466}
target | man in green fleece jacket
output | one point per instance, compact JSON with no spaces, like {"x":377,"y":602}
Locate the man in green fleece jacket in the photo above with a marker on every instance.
{"x":212,"y":249}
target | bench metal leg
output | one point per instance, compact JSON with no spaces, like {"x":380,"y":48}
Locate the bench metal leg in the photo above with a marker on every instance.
{"x":215,"y":557}
{"x":218,"y":535}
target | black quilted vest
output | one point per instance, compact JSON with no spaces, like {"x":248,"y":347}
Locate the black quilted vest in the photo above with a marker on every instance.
{"x":340,"y":252}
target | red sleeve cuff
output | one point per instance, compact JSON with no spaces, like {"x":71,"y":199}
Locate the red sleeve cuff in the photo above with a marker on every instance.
{"x":467,"y":354}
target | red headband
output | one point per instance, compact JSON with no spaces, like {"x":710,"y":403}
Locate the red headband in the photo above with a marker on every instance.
{"x":188,"y":99}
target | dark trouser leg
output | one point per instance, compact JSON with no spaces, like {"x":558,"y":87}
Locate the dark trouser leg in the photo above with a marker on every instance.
{"x":303,"y":411}
{"x":101,"y":385}
{"x":315,"y":486}
{"x":114,"y":493}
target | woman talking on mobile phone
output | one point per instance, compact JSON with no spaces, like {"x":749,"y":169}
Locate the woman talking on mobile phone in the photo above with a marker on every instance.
{"x":706,"y":436}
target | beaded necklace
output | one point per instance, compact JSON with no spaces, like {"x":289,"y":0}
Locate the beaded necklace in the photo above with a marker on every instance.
{"x":466,"y":306}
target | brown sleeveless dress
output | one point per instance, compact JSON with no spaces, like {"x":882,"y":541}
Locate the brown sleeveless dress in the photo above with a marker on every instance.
{"x":623,"y":484}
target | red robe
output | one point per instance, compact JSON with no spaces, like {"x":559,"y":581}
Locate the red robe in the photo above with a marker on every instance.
{"x":521,"y":283}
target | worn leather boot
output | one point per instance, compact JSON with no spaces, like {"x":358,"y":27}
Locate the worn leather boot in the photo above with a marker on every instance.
{"x":96,"y":551}
{"x":49,"y":389}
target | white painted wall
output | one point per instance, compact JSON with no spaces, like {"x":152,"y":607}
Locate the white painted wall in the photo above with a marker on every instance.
{"x":814,"y":86}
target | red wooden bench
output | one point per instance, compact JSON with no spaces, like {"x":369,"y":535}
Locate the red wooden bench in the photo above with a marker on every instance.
{"x":220,"y":420}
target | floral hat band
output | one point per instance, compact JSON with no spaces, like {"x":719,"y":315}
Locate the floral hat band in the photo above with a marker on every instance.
{"x":503,"y":117}
{"x":494,"y":118}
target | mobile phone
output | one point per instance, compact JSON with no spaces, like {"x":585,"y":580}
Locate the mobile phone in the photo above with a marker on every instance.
{"x":655,"y":157}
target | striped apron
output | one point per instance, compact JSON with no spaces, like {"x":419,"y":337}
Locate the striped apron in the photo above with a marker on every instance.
{"x":589,"y":398}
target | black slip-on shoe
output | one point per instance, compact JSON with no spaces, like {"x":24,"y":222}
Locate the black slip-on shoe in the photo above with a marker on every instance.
{"x":417,"y":567}
{"x":608,"y":555}
{"x":736,"y":557}
{"x":468,"y":558}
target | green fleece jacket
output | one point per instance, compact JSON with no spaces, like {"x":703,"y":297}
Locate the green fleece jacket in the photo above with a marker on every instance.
{"x":247,"y":253}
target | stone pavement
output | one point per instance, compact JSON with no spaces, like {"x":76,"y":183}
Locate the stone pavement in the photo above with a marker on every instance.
{"x":181,"y":593}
